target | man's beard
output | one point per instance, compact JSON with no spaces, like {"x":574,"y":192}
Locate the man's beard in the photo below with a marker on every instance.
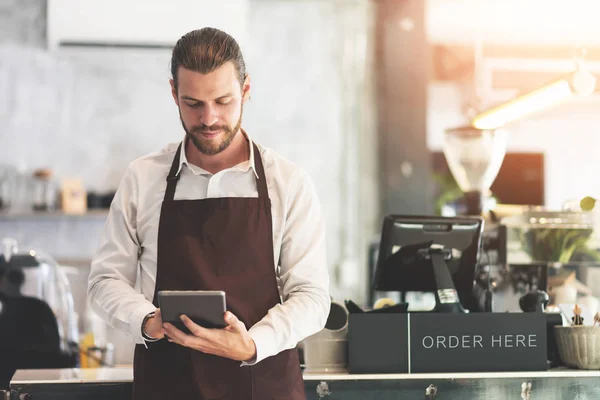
{"x":204,"y":145}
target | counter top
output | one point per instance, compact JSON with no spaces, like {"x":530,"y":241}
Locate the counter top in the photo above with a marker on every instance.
{"x":116,"y":384}
{"x":73,"y":375}
{"x":100,"y":214}
{"x":125,"y":374}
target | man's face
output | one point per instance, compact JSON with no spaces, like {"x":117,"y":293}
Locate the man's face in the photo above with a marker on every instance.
{"x":210,"y":106}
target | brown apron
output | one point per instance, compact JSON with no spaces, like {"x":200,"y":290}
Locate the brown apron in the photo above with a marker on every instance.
{"x":217,"y":244}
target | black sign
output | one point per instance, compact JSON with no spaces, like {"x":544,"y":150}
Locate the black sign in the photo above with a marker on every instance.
{"x":477,"y":342}
{"x":378,"y":343}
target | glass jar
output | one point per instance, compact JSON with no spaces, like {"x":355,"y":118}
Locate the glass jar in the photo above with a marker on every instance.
{"x":45,"y":191}
{"x":548,"y":237}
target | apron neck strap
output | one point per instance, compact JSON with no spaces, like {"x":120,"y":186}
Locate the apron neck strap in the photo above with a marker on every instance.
{"x":261,"y":181}
{"x":173,"y":176}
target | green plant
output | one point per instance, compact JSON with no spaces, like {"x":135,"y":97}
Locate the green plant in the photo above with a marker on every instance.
{"x":558,"y":244}
{"x":448,"y":191}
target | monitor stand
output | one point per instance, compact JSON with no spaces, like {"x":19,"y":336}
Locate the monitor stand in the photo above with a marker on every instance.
{"x":446,"y":297}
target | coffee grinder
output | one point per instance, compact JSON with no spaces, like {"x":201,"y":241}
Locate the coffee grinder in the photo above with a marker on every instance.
{"x":474,"y":157}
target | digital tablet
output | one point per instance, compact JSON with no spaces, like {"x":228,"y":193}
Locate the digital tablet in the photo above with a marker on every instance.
{"x":205,"y":308}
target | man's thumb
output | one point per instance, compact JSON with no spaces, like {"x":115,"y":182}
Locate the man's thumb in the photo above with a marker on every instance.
{"x":233,"y":321}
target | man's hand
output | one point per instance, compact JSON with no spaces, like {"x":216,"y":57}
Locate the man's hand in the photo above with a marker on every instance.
{"x":153,"y":326}
{"x":232,"y":342}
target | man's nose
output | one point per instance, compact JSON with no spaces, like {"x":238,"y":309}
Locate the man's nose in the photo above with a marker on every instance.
{"x":209,"y":116}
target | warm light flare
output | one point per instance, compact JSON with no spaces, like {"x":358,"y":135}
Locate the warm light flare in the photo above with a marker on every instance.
{"x":529,"y":103}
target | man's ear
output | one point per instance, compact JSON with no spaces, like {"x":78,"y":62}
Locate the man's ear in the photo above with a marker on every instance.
{"x":174,"y":91}
{"x":246,"y":89}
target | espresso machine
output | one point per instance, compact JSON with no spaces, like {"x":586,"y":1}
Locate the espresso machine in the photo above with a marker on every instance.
{"x":38,"y":325}
{"x":507,"y":279}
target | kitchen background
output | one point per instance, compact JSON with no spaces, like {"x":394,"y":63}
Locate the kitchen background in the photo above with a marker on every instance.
{"x":357,"y":92}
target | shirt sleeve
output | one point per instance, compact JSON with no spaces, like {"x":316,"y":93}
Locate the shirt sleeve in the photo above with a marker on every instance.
{"x":111,"y":292}
{"x":303,"y":274}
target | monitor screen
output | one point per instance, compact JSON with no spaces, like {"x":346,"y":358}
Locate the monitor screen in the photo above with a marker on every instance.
{"x":402,"y":262}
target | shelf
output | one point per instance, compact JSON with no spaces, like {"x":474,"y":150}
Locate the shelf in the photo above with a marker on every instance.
{"x":23,"y":215}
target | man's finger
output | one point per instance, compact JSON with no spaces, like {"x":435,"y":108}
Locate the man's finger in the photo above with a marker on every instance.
{"x":196,"y":329}
{"x":174,"y":333}
{"x":177,"y":336}
{"x":229,"y":318}
{"x":234,"y":322}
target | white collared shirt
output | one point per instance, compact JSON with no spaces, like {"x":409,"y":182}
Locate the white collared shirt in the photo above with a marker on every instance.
{"x":129,"y":244}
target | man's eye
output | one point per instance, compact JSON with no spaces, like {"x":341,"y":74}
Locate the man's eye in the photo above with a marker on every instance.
{"x":224,"y":103}
{"x":193,"y":105}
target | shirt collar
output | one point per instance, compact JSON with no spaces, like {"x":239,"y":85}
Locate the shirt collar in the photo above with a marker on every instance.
{"x":243,"y":167}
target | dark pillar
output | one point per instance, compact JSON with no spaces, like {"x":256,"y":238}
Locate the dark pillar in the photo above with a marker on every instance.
{"x":401,"y":71}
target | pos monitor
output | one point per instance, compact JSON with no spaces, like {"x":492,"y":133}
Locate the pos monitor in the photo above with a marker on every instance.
{"x":430,"y":254}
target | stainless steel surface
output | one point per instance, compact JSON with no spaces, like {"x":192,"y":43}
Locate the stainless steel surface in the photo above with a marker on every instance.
{"x":74,"y":375}
{"x":125,"y":374}
{"x":547,"y":385}
{"x":543,"y":248}
{"x":327,"y":350}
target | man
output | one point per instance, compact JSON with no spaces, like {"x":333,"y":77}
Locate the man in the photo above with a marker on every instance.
{"x":214,"y":212}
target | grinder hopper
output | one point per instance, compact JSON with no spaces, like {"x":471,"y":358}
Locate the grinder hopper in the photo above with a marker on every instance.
{"x":474,"y":157}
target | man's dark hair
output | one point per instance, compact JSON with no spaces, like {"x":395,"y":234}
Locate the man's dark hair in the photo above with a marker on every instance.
{"x":204,"y":50}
